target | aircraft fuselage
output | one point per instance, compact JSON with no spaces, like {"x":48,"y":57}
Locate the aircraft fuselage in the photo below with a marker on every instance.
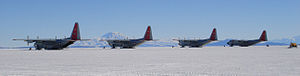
{"x":193,"y":43}
{"x":57,"y":44}
{"x":243,"y":43}
{"x":130,"y":43}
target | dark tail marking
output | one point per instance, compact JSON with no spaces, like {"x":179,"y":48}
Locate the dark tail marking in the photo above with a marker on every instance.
{"x":263,"y":36}
{"x":148,"y":34}
{"x":213,"y":35}
{"x":76,"y":33}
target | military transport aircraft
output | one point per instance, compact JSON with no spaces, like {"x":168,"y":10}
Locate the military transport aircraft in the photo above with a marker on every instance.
{"x":246,"y":43}
{"x":55,"y":44}
{"x":131,"y":43}
{"x":198,"y":42}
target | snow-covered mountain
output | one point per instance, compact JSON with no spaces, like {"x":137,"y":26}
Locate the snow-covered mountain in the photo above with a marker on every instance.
{"x":98,"y":42}
{"x":114,"y":35}
{"x":295,"y":39}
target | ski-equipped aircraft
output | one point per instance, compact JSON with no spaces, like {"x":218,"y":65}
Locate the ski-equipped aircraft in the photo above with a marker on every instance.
{"x":131,"y":43}
{"x":198,"y":42}
{"x":55,"y":44}
{"x":246,"y":43}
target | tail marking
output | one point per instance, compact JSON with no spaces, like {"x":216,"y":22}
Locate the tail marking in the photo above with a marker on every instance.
{"x":213,"y":35}
{"x":148,"y":34}
{"x":263,"y":36}
{"x":76,"y":33}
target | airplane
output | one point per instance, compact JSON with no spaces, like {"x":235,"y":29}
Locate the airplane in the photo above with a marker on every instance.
{"x":198,"y":42}
{"x":131,"y":43}
{"x":55,"y":44}
{"x":246,"y":43}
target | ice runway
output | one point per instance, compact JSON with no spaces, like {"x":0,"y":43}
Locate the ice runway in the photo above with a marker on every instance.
{"x":158,"y":61}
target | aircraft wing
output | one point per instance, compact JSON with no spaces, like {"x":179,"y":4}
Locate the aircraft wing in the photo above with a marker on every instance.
{"x":34,"y":40}
{"x":85,"y":39}
{"x":122,"y":39}
{"x":114,"y":39}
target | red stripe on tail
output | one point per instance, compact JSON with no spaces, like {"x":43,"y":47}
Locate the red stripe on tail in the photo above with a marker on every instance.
{"x":148,"y":34}
{"x":76,"y":33}
{"x":263,"y":36}
{"x":213,"y":35}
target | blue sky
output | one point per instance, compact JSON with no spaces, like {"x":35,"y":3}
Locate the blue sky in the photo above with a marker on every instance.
{"x":237,"y":19}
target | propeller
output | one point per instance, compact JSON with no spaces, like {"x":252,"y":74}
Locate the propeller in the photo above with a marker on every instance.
{"x":27,"y":41}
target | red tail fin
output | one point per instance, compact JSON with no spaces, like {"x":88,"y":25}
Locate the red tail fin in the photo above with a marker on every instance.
{"x":76,"y":33}
{"x":148,"y":34}
{"x":263,"y":36}
{"x":213,"y":35}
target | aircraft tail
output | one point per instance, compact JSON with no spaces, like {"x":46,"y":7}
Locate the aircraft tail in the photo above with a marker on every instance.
{"x":263,"y":36}
{"x":76,"y":33}
{"x":148,"y":34}
{"x":213,"y":35}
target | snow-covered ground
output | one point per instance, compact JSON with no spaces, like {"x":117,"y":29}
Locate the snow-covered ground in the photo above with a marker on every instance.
{"x":158,"y":61}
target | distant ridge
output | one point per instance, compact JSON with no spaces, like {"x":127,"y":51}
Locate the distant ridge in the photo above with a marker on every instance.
{"x":15,"y":47}
{"x":114,"y":35}
{"x":295,"y":39}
